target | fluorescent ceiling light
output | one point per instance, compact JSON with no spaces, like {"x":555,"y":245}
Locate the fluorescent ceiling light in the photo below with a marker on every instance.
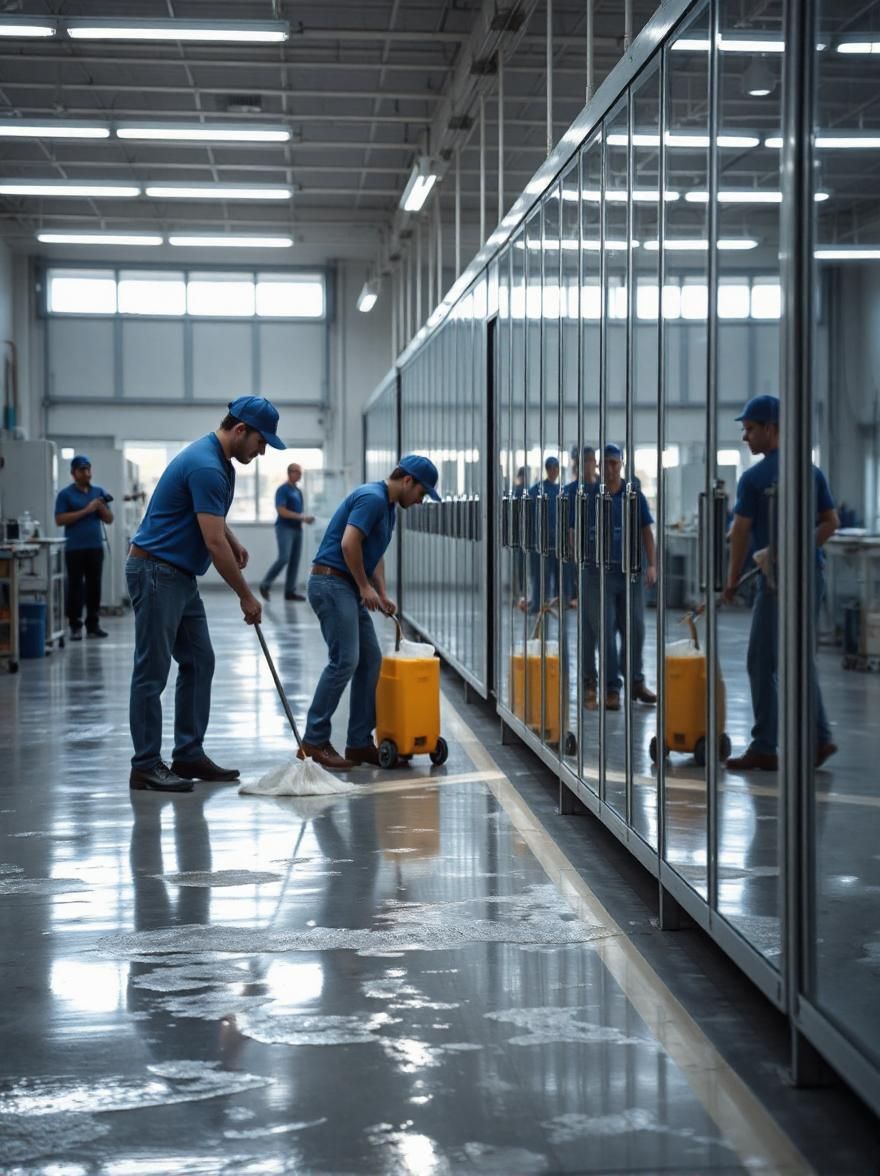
{"x":744,"y":196}
{"x":848,"y":253}
{"x":571,"y":244}
{"x":23,"y":128}
{"x":368,"y":297}
{"x":99,"y":238}
{"x":848,"y":141}
{"x":691,"y":45}
{"x":700,"y":244}
{"x":65,"y":188}
{"x":774,"y":142}
{"x":693,"y":139}
{"x":224,"y":241}
{"x":251,"y":31}
{"x":418,"y":187}
{"x":859,"y":47}
{"x":201,"y":133}
{"x":619,"y":196}
{"x":731,"y":44}
{"x":11,"y":26}
{"x":216,"y":192}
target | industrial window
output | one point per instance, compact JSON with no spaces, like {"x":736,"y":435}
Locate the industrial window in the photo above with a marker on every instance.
{"x":239,"y":294}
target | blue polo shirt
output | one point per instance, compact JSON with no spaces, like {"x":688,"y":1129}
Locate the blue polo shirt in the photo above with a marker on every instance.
{"x":368,"y":509}
{"x":290,"y":497}
{"x":199,"y":480}
{"x":615,"y":556}
{"x":86,"y":533}
{"x":755,"y":500}
{"x":551,"y":492}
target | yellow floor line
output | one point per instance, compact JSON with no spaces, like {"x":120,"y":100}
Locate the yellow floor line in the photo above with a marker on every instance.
{"x":761,"y":1144}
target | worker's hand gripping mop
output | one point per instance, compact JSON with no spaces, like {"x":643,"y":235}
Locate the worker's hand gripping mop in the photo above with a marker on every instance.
{"x":300,"y":777}
{"x":687,"y":690}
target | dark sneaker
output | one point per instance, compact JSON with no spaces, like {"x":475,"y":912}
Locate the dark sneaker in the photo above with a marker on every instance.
{"x":264,"y":591}
{"x":364,"y":756}
{"x":76,"y":634}
{"x":643,"y":694}
{"x":293,"y":596}
{"x":824,"y":752}
{"x":97,"y":632}
{"x":158,"y":779}
{"x":203,"y":769}
{"x":327,"y":756}
{"x":753,"y":761}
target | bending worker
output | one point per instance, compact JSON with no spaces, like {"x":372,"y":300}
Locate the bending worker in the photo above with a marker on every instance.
{"x":346,"y":585}
{"x":754,"y":529}
{"x":290,"y":511}
{"x":183,"y":532}
{"x":80,"y":509}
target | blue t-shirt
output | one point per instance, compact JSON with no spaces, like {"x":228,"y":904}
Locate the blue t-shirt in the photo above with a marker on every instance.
{"x":368,"y":509}
{"x":86,"y":533}
{"x":290,"y":497}
{"x":199,"y":480}
{"x":551,"y":492}
{"x":615,"y":556}
{"x":756,"y":498}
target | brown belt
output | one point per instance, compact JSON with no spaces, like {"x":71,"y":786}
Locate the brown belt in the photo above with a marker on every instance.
{"x":139,"y":553}
{"x":324,"y":570}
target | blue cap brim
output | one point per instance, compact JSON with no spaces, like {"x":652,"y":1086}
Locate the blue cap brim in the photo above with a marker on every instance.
{"x":432,"y":493}
{"x":273,"y":440}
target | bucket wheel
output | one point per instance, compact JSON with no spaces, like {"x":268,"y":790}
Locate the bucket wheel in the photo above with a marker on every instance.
{"x":700,"y":752}
{"x":440,"y":754}
{"x":387,"y":754}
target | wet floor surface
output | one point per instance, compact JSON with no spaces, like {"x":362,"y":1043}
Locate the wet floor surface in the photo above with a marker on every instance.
{"x":406,"y":980}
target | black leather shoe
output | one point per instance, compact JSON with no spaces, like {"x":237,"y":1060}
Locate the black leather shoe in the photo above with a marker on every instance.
{"x":158,"y":779}
{"x":76,"y":634}
{"x":293,"y":596}
{"x":203,"y":769}
{"x":264,"y":592}
{"x":97,"y":632}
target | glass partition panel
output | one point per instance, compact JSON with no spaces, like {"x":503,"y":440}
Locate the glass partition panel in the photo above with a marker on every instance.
{"x":521,"y":480}
{"x":501,"y":533}
{"x":534,"y":693}
{"x":569,"y":456}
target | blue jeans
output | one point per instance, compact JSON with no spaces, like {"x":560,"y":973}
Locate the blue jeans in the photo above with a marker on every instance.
{"x":290,"y":543}
{"x":614,"y":623}
{"x":763,"y":667}
{"x":355,"y":657}
{"x":169,"y":622}
{"x":551,"y":579}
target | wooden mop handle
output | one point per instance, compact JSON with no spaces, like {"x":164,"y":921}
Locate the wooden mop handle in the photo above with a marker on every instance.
{"x":279,"y":687}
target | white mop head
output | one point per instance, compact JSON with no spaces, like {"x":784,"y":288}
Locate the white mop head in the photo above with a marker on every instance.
{"x":298,"y":778}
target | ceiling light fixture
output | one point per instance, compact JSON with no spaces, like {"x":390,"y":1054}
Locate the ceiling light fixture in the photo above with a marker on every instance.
{"x":202,"y":133}
{"x":848,"y":253}
{"x":66,"y":188}
{"x":418,"y":187}
{"x":249,"y":31}
{"x":12,"y":26}
{"x":859,"y":47}
{"x":691,"y":139}
{"x":700,"y":244}
{"x":368,"y":297}
{"x":25,"y":128}
{"x":216,"y":192}
{"x":744,"y":196}
{"x":60,"y":238}
{"x":848,"y":141}
{"x":228,"y":241}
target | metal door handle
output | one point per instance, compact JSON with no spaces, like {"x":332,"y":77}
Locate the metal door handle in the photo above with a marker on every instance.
{"x":632,"y":539}
{"x":505,"y":521}
{"x":720,"y":503}
{"x":607,"y":507}
{"x":702,"y":520}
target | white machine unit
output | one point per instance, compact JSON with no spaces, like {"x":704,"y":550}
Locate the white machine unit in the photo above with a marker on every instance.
{"x":29,"y":481}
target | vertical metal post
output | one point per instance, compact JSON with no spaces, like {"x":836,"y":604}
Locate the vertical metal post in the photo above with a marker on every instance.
{"x":418,"y":276}
{"x":408,"y":262}
{"x":549,"y":76}
{"x":438,"y":228}
{"x":629,"y":442}
{"x":500,"y":136}
{"x":457,"y":211}
{"x":661,"y":486}
{"x":431,"y":229}
{"x":392,"y":283}
{"x":482,"y":170}
{"x":591,"y":52}
{"x":628,"y":25}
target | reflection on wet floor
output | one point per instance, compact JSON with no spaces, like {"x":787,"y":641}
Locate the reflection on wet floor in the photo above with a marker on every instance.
{"x":397,"y":981}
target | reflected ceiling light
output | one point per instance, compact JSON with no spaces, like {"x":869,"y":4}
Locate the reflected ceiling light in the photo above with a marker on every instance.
{"x":730,"y":44}
{"x":65,"y":188}
{"x":744,"y":196}
{"x":758,"y":79}
{"x":250,"y":31}
{"x":11,"y":26}
{"x":368,"y":297}
{"x":859,"y":47}
{"x":691,"y":45}
{"x":701,"y":244}
{"x":847,"y":253}
{"x":421,"y":180}
{"x":848,"y":141}
{"x":216,"y":192}
{"x":774,"y":142}
{"x":614,"y":196}
{"x":202,"y":133}
{"x":228,"y":241}
{"x":571,"y":244}
{"x":96,"y":238}
{"x":693,"y":139}
{"x":26,"y":128}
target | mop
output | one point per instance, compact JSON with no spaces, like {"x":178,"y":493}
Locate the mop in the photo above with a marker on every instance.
{"x":300,"y":777}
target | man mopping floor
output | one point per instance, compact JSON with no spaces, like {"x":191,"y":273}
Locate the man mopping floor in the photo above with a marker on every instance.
{"x":346,"y":585}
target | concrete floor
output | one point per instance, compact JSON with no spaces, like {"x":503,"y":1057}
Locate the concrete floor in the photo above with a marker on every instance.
{"x":423,"y":978}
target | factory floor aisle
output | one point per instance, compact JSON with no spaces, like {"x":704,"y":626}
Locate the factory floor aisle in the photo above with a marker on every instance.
{"x":417,"y":979}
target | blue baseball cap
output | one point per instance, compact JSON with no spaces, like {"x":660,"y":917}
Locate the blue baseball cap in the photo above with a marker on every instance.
{"x":423,"y":470}
{"x":80,"y":462}
{"x":763,"y":410}
{"x":551,"y":462}
{"x":260,"y":414}
{"x":614,"y":451}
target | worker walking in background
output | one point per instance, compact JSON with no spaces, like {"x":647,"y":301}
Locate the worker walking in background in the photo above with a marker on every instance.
{"x":82,"y":510}
{"x":346,"y":585}
{"x":183,"y":532}
{"x":754,"y":530}
{"x":549,"y":488}
{"x":290,"y":512}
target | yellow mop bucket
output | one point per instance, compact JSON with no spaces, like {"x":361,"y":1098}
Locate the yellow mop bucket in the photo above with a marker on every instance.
{"x":408,"y":704}
{"x":531,"y":667}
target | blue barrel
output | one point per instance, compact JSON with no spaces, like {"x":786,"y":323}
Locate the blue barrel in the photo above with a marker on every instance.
{"x":32,"y":628}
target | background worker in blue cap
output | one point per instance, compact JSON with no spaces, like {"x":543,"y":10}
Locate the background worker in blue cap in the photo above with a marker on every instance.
{"x":614,"y":622}
{"x":81,"y":509}
{"x":346,"y":585}
{"x":754,"y":530}
{"x":549,"y":487}
{"x":290,"y":511}
{"x":183,"y":532}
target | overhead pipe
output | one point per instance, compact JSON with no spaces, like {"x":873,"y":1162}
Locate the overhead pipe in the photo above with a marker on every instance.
{"x":591,"y":53}
{"x":549,"y":48}
{"x":500,"y":135}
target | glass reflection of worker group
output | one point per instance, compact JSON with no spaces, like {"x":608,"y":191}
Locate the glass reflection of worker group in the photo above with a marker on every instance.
{"x":618,"y":662}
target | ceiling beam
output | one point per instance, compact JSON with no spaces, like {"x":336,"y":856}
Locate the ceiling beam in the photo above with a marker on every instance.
{"x":271,"y":91}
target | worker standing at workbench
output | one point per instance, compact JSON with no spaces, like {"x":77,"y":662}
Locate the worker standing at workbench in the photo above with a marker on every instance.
{"x":81,"y":509}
